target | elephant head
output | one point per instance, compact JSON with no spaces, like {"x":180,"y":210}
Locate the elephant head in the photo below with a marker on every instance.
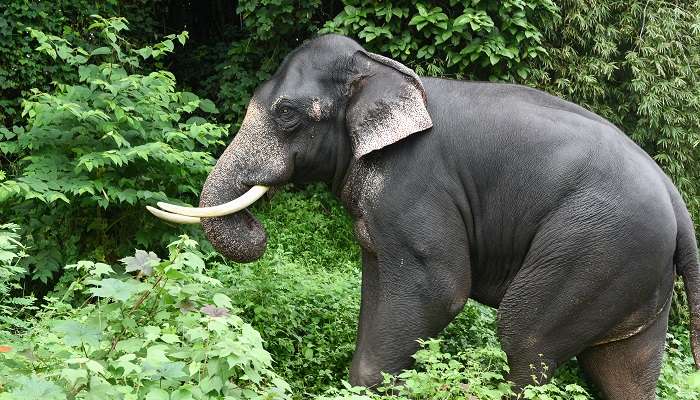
{"x":328,"y":103}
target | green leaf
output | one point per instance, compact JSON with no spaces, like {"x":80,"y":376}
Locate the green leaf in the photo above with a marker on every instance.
{"x":76,"y":334}
{"x":416,"y":20}
{"x":100,"y":390}
{"x":144,"y":52}
{"x":183,"y":393}
{"x":101,"y":51}
{"x":182,"y":37}
{"x":221,"y":300}
{"x":169,"y":45}
{"x":462,"y":20}
{"x":35,"y":387}
{"x":151,"y":333}
{"x":170,"y":338}
{"x":74,"y":375}
{"x":208,"y":106}
{"x":157,"y":394}
{"x":116,"y":289}
{"x":125,"y":363}
{"x":522,"y":72}
{"x":100,"y":269}
{"x":95,"y":367}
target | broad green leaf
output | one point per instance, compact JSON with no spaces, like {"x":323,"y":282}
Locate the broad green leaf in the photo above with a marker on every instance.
{"x":125,"y":363}
{"x":116,"y":289}
{"x":151,"y":333}
{"x":35,"y":387}
{"x":157,"y":394}
{"x":221,"y":300}
{"x":101,"y":51}
{"x":100,"y":269}
{"x":76,"y":334}
{"x":74,"y":375}
{"x":208,"y":106}
{"x":170,"y":338}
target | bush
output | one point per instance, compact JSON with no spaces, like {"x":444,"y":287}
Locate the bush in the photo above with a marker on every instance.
{"x":92,"y":154}
{"x":307,"y":318}
{"x":148,"y":329}
{"x":303,"y":295}
{"x":464,"y":39}
{"x":26,"y":69}
{"x":13,"y":309}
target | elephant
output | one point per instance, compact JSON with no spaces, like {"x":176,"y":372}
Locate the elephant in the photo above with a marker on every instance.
{"x":497,"y":192}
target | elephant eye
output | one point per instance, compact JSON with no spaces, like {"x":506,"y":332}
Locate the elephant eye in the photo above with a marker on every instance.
{"x":287,"y":117}
{"x":286,"y":113}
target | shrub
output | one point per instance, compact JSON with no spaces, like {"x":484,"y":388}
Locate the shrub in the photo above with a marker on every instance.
{"x":24,"y":69}
{"x":269,"y":29}
{"x":92,"y":154}
{"x":472,"y":39}
{"x":13,"y":309}
{"x":307,"y":318}
{"x":148,"y":329}
{"x":475,"y":371}
{"x":303,"y":295}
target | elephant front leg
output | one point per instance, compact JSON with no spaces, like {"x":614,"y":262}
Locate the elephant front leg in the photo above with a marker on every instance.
{"x":401,"y":303}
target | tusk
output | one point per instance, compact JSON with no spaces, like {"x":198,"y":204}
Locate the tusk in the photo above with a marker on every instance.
{"x":248,"y":198}
{"x":176,"y":218}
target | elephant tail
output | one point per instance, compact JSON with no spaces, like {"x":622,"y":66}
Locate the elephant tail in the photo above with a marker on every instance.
{"x":688,"y":267}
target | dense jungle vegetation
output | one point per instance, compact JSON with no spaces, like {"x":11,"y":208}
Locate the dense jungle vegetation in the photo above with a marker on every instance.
{"x":110,"y":105}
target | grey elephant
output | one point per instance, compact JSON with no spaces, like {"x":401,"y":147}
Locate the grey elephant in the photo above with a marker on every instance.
{"x":496,"y":192}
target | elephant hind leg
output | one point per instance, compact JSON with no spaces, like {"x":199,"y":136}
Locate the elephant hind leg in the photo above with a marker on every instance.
{"x":628,"y":369}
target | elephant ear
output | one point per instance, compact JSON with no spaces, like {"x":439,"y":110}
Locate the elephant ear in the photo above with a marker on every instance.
{"x":387,"y":103}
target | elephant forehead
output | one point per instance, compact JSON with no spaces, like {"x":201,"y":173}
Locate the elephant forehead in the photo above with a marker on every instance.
{"x":256,"y":143}
{"x":302,"y":77}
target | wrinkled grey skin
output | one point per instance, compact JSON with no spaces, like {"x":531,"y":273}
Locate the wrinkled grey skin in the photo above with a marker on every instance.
{"x":496,"y":192}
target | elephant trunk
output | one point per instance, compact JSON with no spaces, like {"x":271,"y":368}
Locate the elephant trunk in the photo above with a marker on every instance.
{"x":252,"y":162}
{"x":237,"y":236}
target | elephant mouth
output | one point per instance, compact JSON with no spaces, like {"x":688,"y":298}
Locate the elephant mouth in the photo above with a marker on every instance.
{"x":239,"y":237}
{"x":228,"y":224}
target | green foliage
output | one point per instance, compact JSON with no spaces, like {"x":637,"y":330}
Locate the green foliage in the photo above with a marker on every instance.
{"x":307,"y":318}
{"x":474,"y":39}
{"x":309,"y":227}
{"x":22,"y":69}
{"x":303,"y":295}
{"x":166,"y":332}
{"x":676,"y":381}
{"x":477,"y":371}
{"x":92,"y":150}
{"x":11,"y":251}
{"x":13,"y":309}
